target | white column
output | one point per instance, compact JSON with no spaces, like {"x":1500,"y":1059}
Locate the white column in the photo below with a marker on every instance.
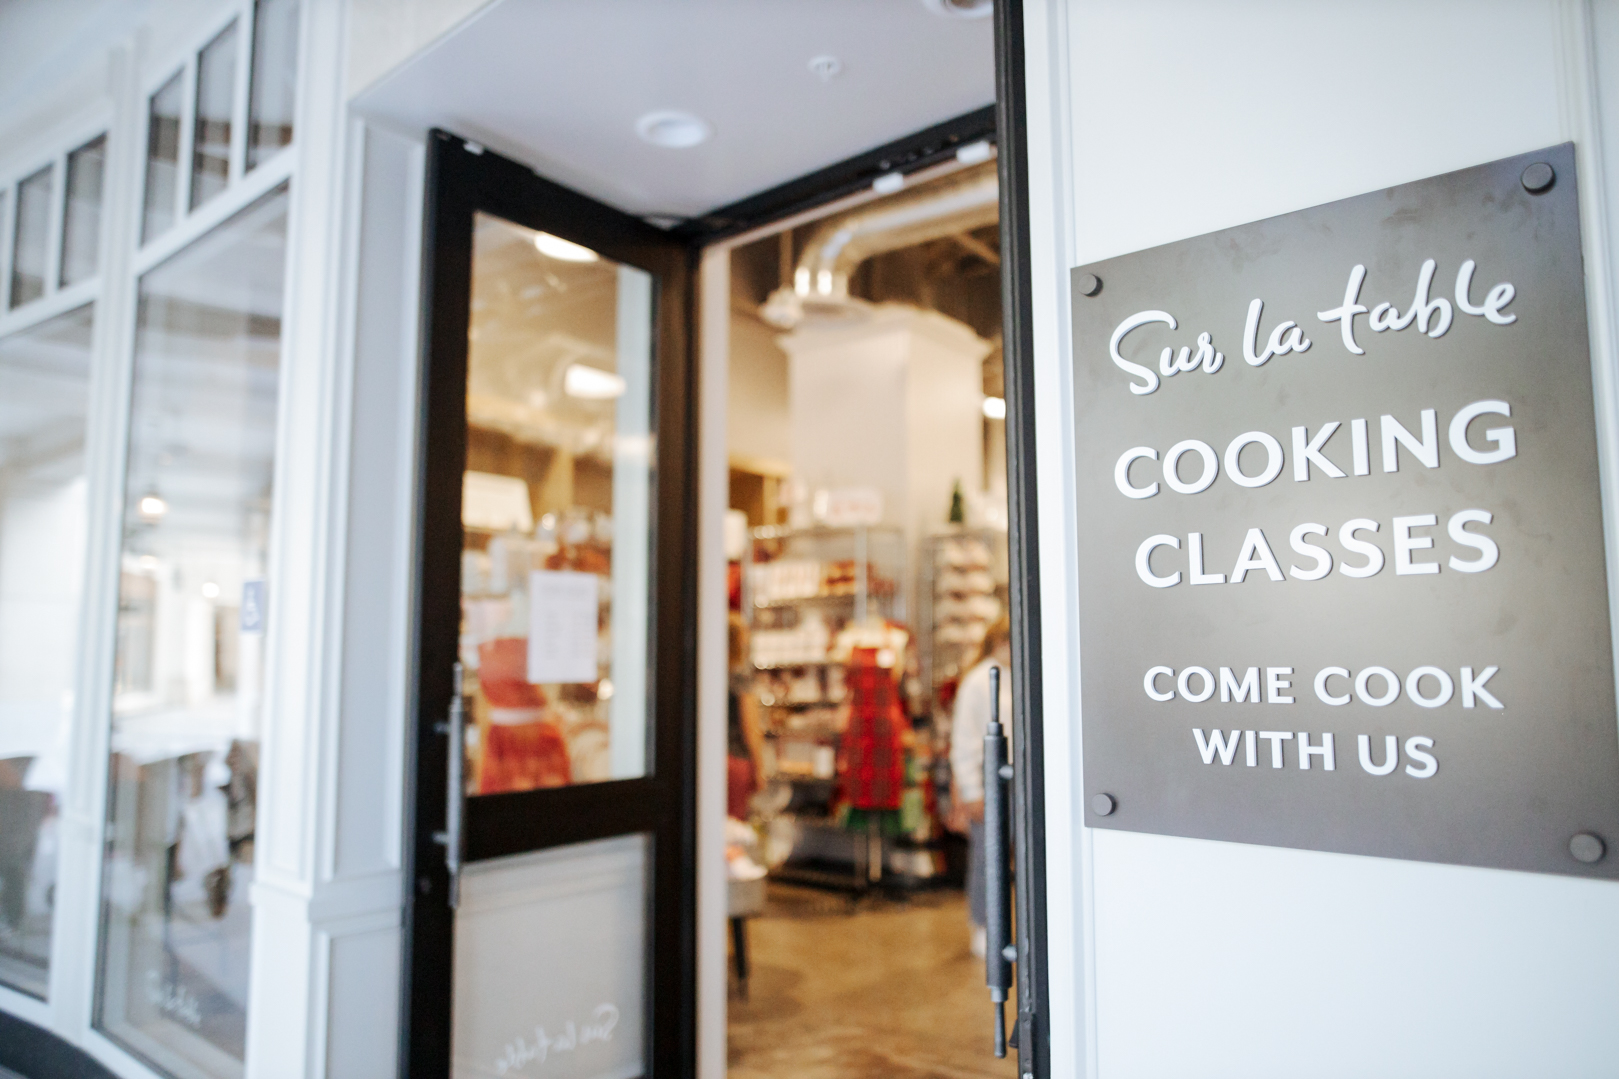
{"x":78,"y":884}
{"x":713,"y":655}
{"x":890,"y":400}
{"x":327,"y":898}
{"x":1136,"y":920}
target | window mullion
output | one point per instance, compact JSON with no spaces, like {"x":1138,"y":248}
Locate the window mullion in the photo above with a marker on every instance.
{"x":8,"y":236}
{"x":57,"y":228}
{"x":80,"y":867}
{"x":240,"y":93}
{"x":188,"y":134}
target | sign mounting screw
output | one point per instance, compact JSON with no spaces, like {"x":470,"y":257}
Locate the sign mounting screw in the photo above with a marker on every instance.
{"x":1538,"y":177}
{"x":1587,"y":848}
{"x":1103,"y":805}
{"x":1089,"y":284}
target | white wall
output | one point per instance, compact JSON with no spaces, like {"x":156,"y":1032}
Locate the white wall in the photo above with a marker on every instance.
{"x":756,"y":414}
{"x":1154,"y":121}
{"x":385,"y":33}
{"x":890,"y":401}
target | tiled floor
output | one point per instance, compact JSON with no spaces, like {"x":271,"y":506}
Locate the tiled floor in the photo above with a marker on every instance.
{"x":887,"y":991}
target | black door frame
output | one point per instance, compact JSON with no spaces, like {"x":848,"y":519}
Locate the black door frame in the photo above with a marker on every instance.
{"x":1023,"y":547}
{"x":462,"y":179}
{"x":446,"y":287}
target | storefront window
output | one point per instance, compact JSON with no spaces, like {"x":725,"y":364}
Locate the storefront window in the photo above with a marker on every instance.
{"x":188,"y":684}
{"x":556,"y":513}
{"x":275,"y":79}
{"x":81,"y":226}
{"x":32,"y":235}
{"x":44,"y":378}
{"x":162,"y":158}
{"x":211,"y":131}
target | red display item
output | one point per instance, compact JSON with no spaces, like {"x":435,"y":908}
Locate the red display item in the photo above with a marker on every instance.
{"x":524,"y":757}
{"x":522,"y":749}
{"x":739,"y":786}
{"x":503,"y":674}
{"x":872,"y":764}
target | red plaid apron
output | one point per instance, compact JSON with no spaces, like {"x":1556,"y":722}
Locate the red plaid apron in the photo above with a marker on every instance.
{"x":873,"y":761}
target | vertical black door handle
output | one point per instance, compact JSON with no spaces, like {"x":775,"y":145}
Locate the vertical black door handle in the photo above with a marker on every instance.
{"x":455,"y":794}
{"x":999,"y":951}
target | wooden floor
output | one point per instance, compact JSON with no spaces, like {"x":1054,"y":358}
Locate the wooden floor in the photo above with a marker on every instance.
{"x":884,"y":989}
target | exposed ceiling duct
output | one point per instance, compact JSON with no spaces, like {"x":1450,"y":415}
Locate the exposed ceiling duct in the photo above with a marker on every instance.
{"x":951,"y":206}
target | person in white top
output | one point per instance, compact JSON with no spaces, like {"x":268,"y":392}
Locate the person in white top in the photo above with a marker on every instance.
{"x":968,"y":725}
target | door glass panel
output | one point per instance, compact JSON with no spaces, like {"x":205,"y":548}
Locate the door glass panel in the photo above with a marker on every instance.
{"x":44,"y":381}
{"x":188,"y":686}
{"x":81,"y":228}
{"x":550,"y":963}
{"x":556,"y":511}
{"x":216,"y":101}
{"x":162,"y":158}
{"x":275,"y":79}
{"x":32,"y":234}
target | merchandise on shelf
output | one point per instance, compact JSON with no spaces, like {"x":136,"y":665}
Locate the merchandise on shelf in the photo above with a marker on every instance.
{"x":805,"y":643}
{"x":962,"y":594}
{"x":839,"y":746}
{"x":798,"y":579}
{"x":964,"y":601}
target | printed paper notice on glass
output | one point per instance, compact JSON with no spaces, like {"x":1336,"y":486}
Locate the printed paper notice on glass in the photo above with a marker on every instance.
{"x":561,"y":626}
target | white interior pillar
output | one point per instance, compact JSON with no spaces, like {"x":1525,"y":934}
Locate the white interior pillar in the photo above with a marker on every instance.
{"x":713,"y":663}
{"x":328,"y":895}
{"x":891,"y":399}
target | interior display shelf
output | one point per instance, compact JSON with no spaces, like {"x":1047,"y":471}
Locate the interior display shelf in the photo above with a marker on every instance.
{"x":879,"y":589}
{"x":797,"y":663}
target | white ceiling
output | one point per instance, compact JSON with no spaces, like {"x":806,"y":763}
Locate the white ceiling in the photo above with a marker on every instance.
{"x":559,"y":85}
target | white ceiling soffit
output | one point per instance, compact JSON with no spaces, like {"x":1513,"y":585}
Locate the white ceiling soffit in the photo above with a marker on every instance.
{"x":560,"y":84}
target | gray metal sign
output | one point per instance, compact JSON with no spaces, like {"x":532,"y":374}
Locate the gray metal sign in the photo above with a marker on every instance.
{"x":1342,"y":575}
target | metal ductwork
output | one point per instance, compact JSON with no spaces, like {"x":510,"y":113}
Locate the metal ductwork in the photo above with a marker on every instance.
{"x":959,"y":203}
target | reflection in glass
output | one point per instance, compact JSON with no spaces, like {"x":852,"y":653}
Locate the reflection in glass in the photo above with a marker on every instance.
{"x":188,"y":684}
{"x":81,"y":228}
{"x":556,"y":513}
{"x":44,"y":382}
{"x":32,"y":234}
{"x":162,"y":158}
{"x":275,"y":79}
{"x":210,"y":130}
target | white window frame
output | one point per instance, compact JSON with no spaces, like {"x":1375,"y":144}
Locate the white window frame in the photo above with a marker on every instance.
{"x":189,"y":223}
{"x":70,"y":1004}
{"x":55,"y":301}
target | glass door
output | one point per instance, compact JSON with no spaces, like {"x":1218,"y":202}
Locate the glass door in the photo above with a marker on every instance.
{"x":550,"y":918}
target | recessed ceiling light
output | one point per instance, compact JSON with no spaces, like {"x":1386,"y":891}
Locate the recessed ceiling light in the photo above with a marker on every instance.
{"x":995,"y":408}
{"x":960,"y":9}
{"x":558,"y":248}
{"x":676,"y":130}
{"x":152,"y":507}
{"x":825,"y":68}
{"x":591,"y":383}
